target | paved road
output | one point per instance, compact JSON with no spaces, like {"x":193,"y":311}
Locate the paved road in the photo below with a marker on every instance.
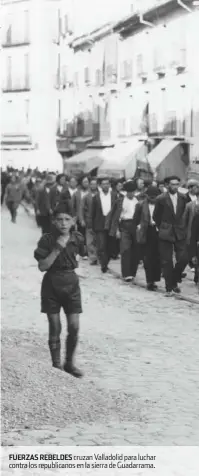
{"x":139,"y":352}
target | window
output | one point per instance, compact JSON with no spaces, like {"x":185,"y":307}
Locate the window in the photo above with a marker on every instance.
{"x":26,"y":64}
{"x":98,"y":77}
{"x":8,"y":34}
{"x":27,"y":105}
{"x":76,"y":80}
{"x":86,"y":75}
{"x":58,"y":72}
{"x":26,"y":26}
{"x":126,"y":70}
{"x":64,"y":76}
{"x":9,"y":73}
{"x":66,"y":29}
{"x":139,"y":64}
{"x":59,"y":24}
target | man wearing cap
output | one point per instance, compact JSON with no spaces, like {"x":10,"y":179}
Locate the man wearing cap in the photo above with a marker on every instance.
{"x":190,"y":195}
{"x":43,"y":203}
{"x":122,"y":224}
{"x":147,"y":237}
{"x":169,"y":218}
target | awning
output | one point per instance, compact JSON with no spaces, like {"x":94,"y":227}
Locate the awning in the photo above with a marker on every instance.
{"x":122,"y":160}
{"x":166,"y":159}
{"x":84,"y":162}
{"x":160,"y":152}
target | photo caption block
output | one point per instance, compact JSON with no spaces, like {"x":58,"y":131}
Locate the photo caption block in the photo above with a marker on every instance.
{"x":87,"y":460}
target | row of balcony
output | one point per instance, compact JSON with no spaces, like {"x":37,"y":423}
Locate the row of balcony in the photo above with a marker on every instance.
{"x":95,"y":129}
{"x":109,"y":74}
{"x":16,"y":85}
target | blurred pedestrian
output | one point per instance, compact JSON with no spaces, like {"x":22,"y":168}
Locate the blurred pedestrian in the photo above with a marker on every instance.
{"x":87,"y":221}
{"x":13,"y":196}
{"x":59,"y":193}
{"x":43,"y":205}
{"x":77,"y":202}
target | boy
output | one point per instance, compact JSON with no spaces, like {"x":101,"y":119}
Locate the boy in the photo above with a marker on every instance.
{"x":56,"y":255}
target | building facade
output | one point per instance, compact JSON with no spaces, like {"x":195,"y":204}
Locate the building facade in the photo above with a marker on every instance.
{"x":140,"y":77}
{"x":137,"y":77}
{"x":30,"y":56}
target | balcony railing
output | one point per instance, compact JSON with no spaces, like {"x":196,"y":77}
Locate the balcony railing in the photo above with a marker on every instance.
{"x":16,"y":86}
{"x":15,"y":42}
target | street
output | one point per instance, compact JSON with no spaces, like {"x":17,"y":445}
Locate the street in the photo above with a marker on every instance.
{"x":139,"y":352}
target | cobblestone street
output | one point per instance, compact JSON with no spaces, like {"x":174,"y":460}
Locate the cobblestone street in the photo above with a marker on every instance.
{"x":139,"y":352}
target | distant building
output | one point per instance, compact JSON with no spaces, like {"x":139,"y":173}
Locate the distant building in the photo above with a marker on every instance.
{"x":30,"y":58}
{"x":138,"y":77}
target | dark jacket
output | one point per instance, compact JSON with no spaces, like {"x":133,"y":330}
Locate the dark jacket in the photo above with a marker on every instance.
{"x":87,"y":210}
{"x":76,"y":201}
{"x":190,"y":211}
{"x":114,"y":219}
{"x":194,"y":241}
{"x":170,"y":224}
{"x":57,"y":197}
{"x":142,"y":217}
{"x":99,"y":222}
{"x":187,"y":198}
{"x":43,"y":204}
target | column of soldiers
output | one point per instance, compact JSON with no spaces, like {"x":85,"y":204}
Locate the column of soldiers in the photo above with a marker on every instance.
{"x":138,"y":222}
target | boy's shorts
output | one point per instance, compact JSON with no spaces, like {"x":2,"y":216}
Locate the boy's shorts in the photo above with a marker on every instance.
{"x":61,"y":290}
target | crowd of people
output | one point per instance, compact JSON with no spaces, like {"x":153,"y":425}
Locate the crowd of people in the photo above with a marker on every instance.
{"x":103,"y":220}
{"x":138,"y":221}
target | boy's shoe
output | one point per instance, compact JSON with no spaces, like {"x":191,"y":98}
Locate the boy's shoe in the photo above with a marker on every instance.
{"x":93,"y":263}
{"x":72,"y":370}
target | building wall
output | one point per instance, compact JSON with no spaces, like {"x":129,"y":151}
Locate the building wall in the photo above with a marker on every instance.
{"x":160,"y":67}
{"x":31,"y":76}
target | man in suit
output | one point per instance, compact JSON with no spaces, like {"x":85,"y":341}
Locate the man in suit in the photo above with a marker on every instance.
{"x":72,"y":186}
{"x":123,"y":225}
{"x":101,"y":207}
{"x":43,"y":204}
{"x":77,"y":201}
{"x":169,"y":218}
{"x":117,"y":187}
{"x":59,"y":193}
{"x":147,"y":237}
{"x":87,"y":221}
